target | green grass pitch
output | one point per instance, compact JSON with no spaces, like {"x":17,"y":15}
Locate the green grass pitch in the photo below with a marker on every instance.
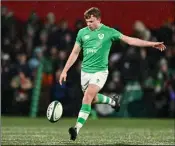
{"x":103,"y":131}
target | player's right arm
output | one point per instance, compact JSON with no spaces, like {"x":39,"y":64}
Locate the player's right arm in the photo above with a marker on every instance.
{"x":71,"y":60}
{"x":116,"y":35}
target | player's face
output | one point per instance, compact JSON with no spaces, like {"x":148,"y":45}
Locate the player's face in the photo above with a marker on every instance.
{"x":93,"y":22}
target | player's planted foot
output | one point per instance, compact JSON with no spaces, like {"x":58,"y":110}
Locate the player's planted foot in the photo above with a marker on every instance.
{"x":73,"y":133}
{"x":116,"y":98}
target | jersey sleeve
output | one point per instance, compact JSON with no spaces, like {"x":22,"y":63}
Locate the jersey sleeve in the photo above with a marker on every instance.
{"x":79,"y":38}
{"x":116,"y":35}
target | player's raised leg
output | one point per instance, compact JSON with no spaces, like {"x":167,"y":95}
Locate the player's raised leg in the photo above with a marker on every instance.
{"x":85,"y":110}
{"x":99,"y":79}
{"x":114,"y":101}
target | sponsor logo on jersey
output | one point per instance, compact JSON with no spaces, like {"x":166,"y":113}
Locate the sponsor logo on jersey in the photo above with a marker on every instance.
{"x":100,"y":36}
{"x":91,"y":51}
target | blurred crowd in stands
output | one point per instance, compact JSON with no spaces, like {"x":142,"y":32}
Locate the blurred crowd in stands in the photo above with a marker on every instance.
{"x":25,"y":44}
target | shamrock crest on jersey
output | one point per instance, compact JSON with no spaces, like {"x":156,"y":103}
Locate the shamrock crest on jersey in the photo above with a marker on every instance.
{"x":100,"y":36}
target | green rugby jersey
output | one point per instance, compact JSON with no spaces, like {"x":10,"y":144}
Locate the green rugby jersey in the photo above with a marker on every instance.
{"x":96,"y":46}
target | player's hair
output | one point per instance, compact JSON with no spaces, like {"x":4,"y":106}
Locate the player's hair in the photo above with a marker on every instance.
{"x":92,"y":11}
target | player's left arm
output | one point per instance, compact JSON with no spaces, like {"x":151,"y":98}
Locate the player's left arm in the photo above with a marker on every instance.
{"x":142,"y":43}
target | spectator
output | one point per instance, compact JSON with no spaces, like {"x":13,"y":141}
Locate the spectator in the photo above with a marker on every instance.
{"x":22,"y":64}
{"x":29,"y":40}
{"x":36,"y":58}
{"x":21,"y":84}
{"x":50,"y":22}
{"x":44,"y":40}
{"x":65,"y":35}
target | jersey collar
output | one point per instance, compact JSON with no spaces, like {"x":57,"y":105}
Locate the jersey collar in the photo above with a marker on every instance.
{"x":99,"y":27}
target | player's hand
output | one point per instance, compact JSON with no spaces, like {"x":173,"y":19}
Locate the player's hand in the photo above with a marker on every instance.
{"x":63,"y":77}
{"x":159,"y":45}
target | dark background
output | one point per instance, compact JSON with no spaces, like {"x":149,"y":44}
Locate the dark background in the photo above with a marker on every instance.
{"x":37,"y":38}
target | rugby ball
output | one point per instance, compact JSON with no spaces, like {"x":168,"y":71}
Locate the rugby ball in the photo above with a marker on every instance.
{"x":54,"y":111}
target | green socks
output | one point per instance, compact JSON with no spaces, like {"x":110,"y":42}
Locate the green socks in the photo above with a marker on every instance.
{"x":86,"y":109}
{"x":83,"y":115}
{"x":105,"y":99}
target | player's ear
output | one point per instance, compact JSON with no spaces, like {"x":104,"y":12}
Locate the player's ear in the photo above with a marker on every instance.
{"x":99,"y":19}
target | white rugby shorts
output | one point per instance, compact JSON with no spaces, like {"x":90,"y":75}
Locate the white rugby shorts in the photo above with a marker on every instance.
{"x":98,"y":78}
